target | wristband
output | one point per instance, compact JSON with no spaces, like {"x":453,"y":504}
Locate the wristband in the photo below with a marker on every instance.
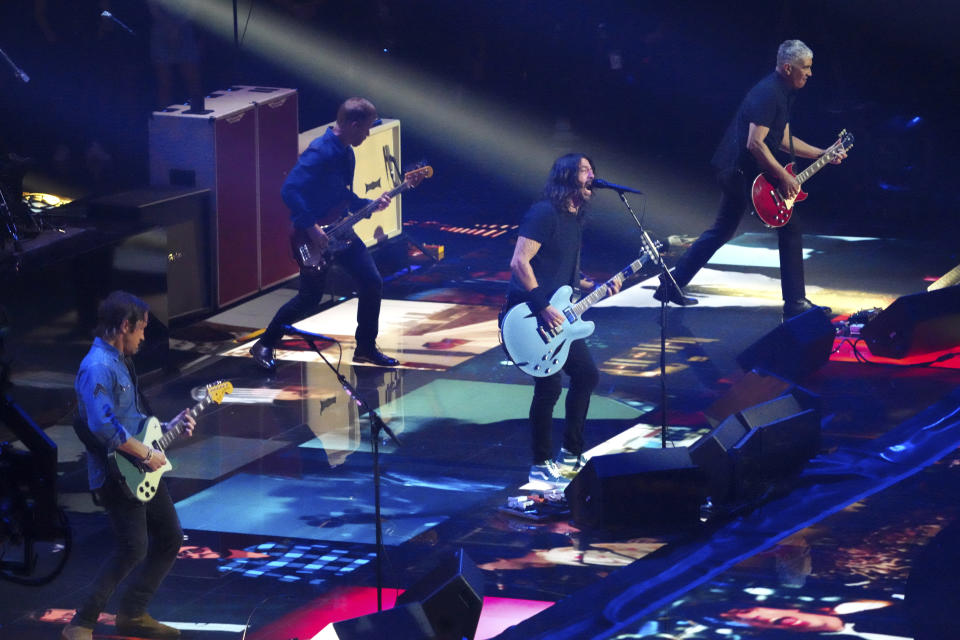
{"x":538,"y":299}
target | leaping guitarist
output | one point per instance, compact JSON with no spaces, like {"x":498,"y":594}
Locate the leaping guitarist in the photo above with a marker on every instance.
{"x":318,"y":191}
{"x":147,"y":534}
{"x":547,"y":257}
{"x":760,"y":127}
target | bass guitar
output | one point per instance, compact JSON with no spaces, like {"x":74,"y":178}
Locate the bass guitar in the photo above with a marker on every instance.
{"x":308,"y":254}
{"x":772,"y":207}
{"x":542,"y":351}
{"x":139,"y":482}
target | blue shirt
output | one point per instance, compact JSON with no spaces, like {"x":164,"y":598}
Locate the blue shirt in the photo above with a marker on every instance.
{"x":108,"y":402}
{"x":321,"y":181}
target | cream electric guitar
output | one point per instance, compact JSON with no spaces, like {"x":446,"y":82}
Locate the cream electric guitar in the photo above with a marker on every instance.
{"x":138,"y":481}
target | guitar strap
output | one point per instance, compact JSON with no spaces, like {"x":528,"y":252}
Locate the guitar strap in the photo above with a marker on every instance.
{"x":142,"y":402}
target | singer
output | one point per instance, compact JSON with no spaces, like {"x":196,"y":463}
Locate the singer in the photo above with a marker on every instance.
{"x":546,"y":257}
{"x":760,"y":126}
{"x":317,"y":191}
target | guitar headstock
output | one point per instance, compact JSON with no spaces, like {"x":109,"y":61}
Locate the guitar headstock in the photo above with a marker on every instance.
{"x":844,"y":141}
{"x":217,"y":390}
{"x":414,"y":177}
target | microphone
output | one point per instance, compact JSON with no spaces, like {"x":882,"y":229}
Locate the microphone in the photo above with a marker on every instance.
{"x":307,"y":334}
{"x":599,"y":183}
{"x":110,"y":16}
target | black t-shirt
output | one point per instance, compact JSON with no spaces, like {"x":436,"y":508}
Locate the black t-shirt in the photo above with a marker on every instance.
{"x":558,"y":261}
{"x":767,"y":104}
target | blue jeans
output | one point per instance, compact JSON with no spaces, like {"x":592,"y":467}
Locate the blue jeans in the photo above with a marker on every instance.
{"x":148,"y":538}
{"x":734,"y":202}
{"x":358,"y":263}
{"x":546,"y":391}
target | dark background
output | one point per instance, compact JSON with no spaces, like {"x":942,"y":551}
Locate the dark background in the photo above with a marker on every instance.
{"x":886,"y":71}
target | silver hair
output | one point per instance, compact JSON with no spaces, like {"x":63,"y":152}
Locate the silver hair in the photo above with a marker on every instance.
{"x":792,"y":52}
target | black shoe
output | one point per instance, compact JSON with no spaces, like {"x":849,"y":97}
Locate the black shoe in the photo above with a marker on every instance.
{"x":674,"y":295}
{"x":263,"y":356}
{"x":373,"y":355}
{"x":796,"y":307}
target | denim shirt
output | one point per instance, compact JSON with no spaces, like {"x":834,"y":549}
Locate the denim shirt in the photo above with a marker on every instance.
{"x":107,"y":400}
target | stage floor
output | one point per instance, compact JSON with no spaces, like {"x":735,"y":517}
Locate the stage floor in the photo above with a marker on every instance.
{"x":275,"y":491}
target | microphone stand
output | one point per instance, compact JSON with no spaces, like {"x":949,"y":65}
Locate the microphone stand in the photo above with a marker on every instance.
{"x":667,"y":278}
{"x":17,"y":71}
{"x":376,"y":426}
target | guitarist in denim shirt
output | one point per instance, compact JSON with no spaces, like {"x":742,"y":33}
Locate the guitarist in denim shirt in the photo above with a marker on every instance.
{"x":148,"y":534}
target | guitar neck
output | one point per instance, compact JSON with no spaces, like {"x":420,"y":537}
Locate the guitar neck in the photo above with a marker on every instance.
{"x":815,"y":166}
{"x":177,"y":430}
{"x":360,"y":214}
{"x":601,"y":292}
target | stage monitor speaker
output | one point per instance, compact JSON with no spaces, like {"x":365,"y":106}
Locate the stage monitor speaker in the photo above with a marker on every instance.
{"x":915,"y":324}
{"x":782,"y":436}
{"x":712,"y":454}
{"x":793,"y":350}
{"x":451,"y":595}
{"x":649,"y":486}
{"x":408,"y":621}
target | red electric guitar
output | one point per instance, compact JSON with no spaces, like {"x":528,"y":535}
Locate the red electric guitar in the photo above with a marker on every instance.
{"x":772,"y":207}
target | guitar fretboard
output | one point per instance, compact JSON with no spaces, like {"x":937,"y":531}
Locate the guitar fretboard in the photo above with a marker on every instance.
{"x":177,"y":430}
{"x":600,"y":292}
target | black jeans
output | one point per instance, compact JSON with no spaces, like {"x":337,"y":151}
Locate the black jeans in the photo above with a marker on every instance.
{"x":356,"y":261}
{"x":148,"y":535}
{"x":546,"y":391}
{"x":733,"y":204}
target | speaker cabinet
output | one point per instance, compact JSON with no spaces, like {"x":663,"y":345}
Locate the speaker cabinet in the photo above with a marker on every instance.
{"x":795,"y":349}
{"x":407,"y":621}
{"x":780,"y":447}
{"x":241,"y":151}
{"x":916,"y":324}
{"x":377,"y":170}
{"x":451,"y":596}
{"x":649,"y":486}
{"x":713,"y":455}
{"x":185,"y":215}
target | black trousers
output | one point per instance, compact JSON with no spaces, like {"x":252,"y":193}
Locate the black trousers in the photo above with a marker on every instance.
{"x":356,"y":261}
{"x":546,"y":391}
{"x":147,"y":538}
{"x":733,"y":204}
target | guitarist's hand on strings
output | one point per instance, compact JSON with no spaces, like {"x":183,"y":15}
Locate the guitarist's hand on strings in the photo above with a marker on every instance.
{"x":383,"y":202}
{"x":551,"y":317}
{"x":589,"y":284}
{"x":789,"y":185}
{"x":837,"y":154}
{"x":154,"y":459}
{"x":189,"y":422}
